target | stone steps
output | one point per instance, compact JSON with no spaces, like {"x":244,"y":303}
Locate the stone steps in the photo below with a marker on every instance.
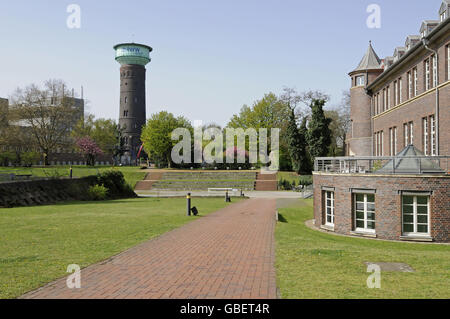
{"x":201,"y":185}
{"x":266,"y":182}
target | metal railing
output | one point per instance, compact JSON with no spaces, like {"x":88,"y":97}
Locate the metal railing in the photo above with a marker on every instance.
{"x":383,"y":165}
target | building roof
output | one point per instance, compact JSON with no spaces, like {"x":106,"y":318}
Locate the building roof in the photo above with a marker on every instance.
{"x":439,"y":29}
{"x":370,"y":61}
{"x":444,"y":6}
{"x":411,"y":161}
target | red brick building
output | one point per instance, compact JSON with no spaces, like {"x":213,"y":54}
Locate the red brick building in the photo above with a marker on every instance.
{"x":394,"y":184}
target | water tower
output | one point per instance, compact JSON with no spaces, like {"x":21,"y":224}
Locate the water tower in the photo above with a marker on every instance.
{"x":133,"y":58}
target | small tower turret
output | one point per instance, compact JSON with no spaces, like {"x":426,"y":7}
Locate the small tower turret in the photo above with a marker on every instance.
{"x":359,"y":139}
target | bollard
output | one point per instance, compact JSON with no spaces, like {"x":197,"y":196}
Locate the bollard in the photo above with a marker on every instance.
{"x":227,"y":198}
{"x":188,"y":202}
{"x":70,"y":172}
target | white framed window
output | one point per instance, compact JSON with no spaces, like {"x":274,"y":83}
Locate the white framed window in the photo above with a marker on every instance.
{"x":425,"y":135}
{"x":416,"y":89}
{"x":384,"y":100}
{"x":411,"y":135}
{"x":435,"y":71}
{"x":448,"y":62}
{"x":406,"y":134}
{"x":395,"y":140}
{"x":377,"y":107}
{"x":360,"y":80}
{"x":427,"y":75}
{"x":395,"y":93}
{"x":364,"y":212}
{"x":432,"y":135}
{"x":375,"y":144}
{"x":379,"y":143}
{"x":415,"y":211}
{"x":410,"y":85}
{"x":391,"y":141}
{"x":400,"y":90}
{"x":329,"y":208}
{"x":388,"y":93}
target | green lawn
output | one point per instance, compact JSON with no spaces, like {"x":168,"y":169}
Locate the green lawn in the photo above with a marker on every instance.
{"x":312,"y":264}
{"x":38,"y":243}
{"x":131,"y":174}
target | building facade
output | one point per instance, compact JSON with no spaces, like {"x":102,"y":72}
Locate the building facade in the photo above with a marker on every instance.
{"x":394,"y":182}
{"x":404,"y":99}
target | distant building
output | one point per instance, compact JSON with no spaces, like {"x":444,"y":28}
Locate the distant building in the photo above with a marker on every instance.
{"x":394,"y":183}
{"x":62,"y":156}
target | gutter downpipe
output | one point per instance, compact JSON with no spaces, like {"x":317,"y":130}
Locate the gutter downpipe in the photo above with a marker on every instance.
{"x":425,"y":44}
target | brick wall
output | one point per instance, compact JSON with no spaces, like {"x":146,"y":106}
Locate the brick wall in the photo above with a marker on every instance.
{"x":415,"y":111}
{"x":388,"y":212}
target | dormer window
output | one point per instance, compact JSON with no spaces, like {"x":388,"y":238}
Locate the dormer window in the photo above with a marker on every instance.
{"x":443,"y":16}
{"x":360,"y":80}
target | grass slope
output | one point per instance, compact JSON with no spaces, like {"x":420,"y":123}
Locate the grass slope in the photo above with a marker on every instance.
{"x":38,"y":243}
{"x":132,"y":174}
{"x":312,"y":264}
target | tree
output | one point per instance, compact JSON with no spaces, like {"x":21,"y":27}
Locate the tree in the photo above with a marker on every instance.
{"x":47,"y":113}
{"x":17,"y":140}
{"x":268,"y":112}
{"x":294,"y":141}
{"x":306,"y":98}
{"x":104,"y":132}
{"x":156,"y":135}
{"x":89,"y":149}
{"x":305,"y":166}
{"x":319,"y":133}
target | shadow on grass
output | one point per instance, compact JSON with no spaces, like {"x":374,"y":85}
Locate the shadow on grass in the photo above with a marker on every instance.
{"x":281,"y":218}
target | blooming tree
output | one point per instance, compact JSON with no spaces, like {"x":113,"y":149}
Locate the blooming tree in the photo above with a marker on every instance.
{"x":89,"y":149}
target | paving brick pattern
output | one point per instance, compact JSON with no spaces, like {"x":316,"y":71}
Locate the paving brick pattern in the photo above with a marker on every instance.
{"x":227,"y":254}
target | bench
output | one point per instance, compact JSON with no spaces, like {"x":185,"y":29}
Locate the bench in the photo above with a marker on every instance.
{"x":27,"y":176}
{"x":229,"y":190}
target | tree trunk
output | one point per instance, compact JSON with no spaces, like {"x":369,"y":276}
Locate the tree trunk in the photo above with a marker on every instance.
{"x":169,"y":162}
{"x":45,"y":158}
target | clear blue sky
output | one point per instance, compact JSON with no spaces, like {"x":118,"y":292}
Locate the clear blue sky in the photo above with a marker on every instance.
{"x":210,"y":57}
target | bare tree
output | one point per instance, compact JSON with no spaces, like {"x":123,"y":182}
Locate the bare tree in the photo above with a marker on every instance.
{"x":48,"y":112}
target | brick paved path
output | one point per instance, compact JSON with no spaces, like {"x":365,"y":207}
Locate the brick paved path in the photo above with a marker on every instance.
{"x":227,"y":254}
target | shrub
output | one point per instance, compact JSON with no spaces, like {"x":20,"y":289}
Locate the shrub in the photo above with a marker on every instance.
{"x":28,"y":158}
{"x":6,"y":157}
{"x":305,"y":180}
{"x":284,"y":184}
{"x":97,"y":192}
{"x":115,"y":183}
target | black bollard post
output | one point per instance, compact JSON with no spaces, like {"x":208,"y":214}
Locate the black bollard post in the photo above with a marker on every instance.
{"x":227,"y":198}
{"x":188,"y":200}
